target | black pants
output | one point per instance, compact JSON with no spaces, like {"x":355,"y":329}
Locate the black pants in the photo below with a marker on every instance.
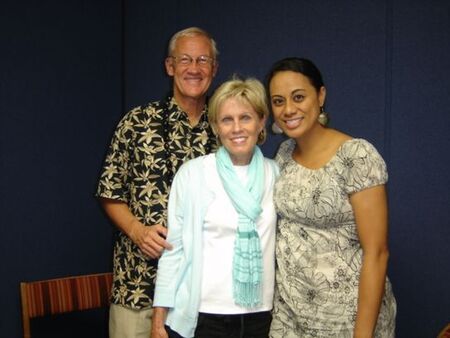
{"x":249,"y":325}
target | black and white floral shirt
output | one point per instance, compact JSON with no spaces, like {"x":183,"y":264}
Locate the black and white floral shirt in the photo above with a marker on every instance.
{"x":149,"y":145}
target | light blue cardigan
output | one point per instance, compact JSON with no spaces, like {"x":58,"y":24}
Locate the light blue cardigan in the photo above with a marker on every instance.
{"x":179,"y":276}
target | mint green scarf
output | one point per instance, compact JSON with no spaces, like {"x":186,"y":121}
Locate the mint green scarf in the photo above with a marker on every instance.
{"x":247,"y":260}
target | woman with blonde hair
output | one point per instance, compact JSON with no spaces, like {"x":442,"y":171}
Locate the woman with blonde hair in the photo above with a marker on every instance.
{"x":218,"y":279}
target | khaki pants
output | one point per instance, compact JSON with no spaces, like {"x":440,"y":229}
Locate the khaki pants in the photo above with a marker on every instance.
{"x":128,"y":323}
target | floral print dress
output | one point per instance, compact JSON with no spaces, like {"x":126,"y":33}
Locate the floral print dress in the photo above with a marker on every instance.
{"x":318,"y":252}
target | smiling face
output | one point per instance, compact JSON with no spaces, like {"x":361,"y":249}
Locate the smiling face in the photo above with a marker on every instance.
{"x":295,"y":103}
{"x":191,"y":82}
{"x":238,"y":126}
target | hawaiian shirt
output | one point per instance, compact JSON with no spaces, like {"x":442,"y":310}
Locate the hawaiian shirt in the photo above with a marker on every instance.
{"x":149,"y":145}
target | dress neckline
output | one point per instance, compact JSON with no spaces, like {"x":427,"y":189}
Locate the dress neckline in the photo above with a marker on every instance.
{"x":331,"y":160}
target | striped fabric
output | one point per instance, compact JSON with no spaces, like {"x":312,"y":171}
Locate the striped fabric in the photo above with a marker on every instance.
{"x":66,"y":294}
{"x":445,"y":333}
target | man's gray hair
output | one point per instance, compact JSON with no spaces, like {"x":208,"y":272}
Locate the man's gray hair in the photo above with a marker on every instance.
{"x":192,"y":31}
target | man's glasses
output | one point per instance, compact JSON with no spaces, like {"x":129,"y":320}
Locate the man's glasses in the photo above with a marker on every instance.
{"x":187,"y":60}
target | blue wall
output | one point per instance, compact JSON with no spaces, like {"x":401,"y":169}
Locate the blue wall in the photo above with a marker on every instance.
{"x":70,"y":69}
{"x":60,"y":97}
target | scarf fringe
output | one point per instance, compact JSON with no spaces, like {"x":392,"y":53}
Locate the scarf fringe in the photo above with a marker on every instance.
{"x":247,"y":269}
{"x":247,"y":294}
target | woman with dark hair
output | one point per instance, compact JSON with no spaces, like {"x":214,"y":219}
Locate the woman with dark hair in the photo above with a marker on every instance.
{"x":332,"y":248}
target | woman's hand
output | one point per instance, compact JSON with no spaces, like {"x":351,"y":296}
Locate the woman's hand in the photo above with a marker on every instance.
{"x":158,"y":321}
{"x":159,"y":332}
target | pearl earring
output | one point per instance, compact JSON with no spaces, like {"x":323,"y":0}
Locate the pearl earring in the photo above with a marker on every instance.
{"x":323,"y":117}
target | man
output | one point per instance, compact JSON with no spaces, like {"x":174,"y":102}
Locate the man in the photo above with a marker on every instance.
{"x":148,"y":146}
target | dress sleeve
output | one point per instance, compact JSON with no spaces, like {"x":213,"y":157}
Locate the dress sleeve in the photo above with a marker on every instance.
{"x":361,"y":166}
{"x":114,"y":173}
{"x":284,"y":153}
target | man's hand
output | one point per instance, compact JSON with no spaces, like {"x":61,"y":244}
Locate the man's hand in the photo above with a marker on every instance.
{"x":150,"y":239}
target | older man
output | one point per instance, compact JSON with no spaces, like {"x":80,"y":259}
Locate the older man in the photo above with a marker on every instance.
{"x":149,"y":145}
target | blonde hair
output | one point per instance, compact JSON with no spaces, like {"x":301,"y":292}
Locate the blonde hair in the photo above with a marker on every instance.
{"x":249,"y":91}
{"x":192,"y":31}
